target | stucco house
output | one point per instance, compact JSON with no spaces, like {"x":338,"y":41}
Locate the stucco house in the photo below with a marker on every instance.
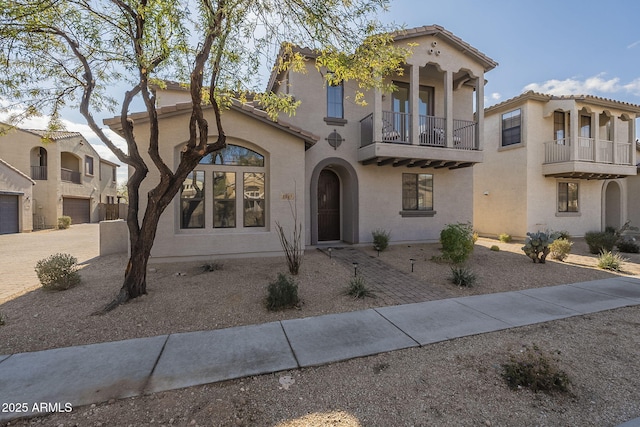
{"x":403,"y":163}
{"x":557,"y":163}
{"x":71,"y":178}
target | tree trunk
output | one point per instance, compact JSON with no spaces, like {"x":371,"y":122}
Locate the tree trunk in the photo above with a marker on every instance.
{"x":135,"y":276}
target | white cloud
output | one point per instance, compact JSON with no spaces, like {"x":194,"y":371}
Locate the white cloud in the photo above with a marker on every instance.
{"x":634,"y":44}
{"x":496,"y":96}
{"x":591,"y":85}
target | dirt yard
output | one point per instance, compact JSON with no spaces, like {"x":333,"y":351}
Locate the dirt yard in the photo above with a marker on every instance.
{"x":456,"y":382}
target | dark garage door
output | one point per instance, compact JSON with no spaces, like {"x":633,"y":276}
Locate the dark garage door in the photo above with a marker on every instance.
{"x":8,"y":214}
{"x":77,"y":209}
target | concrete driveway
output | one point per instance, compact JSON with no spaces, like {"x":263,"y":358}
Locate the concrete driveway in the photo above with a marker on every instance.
{"x":20,"y":252}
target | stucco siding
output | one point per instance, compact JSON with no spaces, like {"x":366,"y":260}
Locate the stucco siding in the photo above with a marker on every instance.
{"x":284,"y":168}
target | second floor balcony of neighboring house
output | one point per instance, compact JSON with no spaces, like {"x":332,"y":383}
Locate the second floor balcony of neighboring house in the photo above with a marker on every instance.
{"x":593,"y":146}
{"x":70,"y":169}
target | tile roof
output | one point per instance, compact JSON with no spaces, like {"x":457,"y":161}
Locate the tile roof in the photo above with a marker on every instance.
{"x":245,"y":108}
{"x":56,"y":135}
{"x":547,"y":97}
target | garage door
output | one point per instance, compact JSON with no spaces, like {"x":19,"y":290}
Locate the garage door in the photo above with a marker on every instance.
{"x":8,"y":214}
{"x":77,"y":209}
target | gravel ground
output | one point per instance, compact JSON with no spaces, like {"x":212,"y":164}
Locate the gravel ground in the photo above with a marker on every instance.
{"x":457,"y":382}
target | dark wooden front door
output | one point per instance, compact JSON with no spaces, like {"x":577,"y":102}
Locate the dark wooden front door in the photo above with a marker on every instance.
{"x":328,"y":206}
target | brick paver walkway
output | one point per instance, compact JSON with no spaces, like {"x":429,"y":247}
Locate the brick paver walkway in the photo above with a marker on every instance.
{"x":390,"y":285}
{"x":20,"y":252}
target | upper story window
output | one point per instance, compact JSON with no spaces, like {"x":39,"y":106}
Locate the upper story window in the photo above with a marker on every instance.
{"x":113,"y":174}
{"x":585,"y":126}
{"x":559,"y":126}
{"x":335,"y":96}
{"x":88,"y":165}
{"x":511,"y":128}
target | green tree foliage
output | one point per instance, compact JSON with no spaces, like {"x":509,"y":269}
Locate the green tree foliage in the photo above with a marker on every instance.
{"x":97,"y":55}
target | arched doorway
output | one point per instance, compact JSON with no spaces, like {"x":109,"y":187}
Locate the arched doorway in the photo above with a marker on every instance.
{"x":328,"y":206}
{"x":341,"y":200}
{"x":612,"y":205}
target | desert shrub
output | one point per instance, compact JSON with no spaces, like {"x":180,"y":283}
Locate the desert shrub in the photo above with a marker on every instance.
{"x":495,"y":248}
{"x":283,"y":293}
{"x":564,"y":234}
{"x":212,"y":266}
{"x":294,"y":248}
{"x":64,"y":222}
{"x":381,"y":239}
{"x":504,"y":238}
{"x":534,"y":369}
{"x":58,"y":272}
{"x":599,"y":241}
{"x":629,"y":246}
{"x":607,"y":260}
{"x":457,"y":242}
{"x":560,"y":249}
{"x":610,"y":229}
{"x":358,"y":288}
{"x":475,"y":236}
{"x":536,"y":245}
{"x":462,"y":277}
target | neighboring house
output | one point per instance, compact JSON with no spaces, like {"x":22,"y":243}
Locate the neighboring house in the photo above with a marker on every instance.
{"x":16,"y":200}
{"x":556,"y":163}
{"x":71,"y":178}
{"x":403,"y":163}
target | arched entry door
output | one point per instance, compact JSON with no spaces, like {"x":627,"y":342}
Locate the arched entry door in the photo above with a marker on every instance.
{"x":328,"y":206}
{"x":613,"y":201}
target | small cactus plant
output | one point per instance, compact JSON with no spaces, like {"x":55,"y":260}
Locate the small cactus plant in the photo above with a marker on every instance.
{"x":536,"y":245}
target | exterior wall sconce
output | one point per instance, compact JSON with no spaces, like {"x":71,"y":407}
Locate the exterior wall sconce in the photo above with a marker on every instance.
{"x":486,"y":193}
{"x":413,"y":261}
{"x":355,"y":269}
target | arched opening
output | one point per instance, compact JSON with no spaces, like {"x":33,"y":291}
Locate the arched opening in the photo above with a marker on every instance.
{"x":338,"y":177}
{"x":38,"y":159}
{"x":612,"y":205}
{"x":69,"y":167}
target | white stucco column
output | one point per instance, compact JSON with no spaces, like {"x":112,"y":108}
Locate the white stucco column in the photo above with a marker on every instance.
{"x":595,"y":133}
{"x":448,"y":104}
{"x":613,"y":120}
{"x":574,"y":133}
{"x":479,"y":111}
{"x":632,"y":140}
{"x":414,"y":101}
{"x":377,"y":115}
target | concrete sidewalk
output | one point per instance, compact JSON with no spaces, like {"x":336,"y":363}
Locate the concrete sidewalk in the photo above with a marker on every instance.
{"x":95,"y":373}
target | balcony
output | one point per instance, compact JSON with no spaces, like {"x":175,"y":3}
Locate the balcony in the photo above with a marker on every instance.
{"x":39,"y":173}
{"x":428,"y":147}
{"x":69,"y":175}
{"x":588,"y":158}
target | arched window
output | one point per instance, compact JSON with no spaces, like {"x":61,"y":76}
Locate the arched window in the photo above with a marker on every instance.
{"x":236,"y":176}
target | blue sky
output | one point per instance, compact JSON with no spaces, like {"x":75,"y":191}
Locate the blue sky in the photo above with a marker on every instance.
{"x":550,"y":46}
